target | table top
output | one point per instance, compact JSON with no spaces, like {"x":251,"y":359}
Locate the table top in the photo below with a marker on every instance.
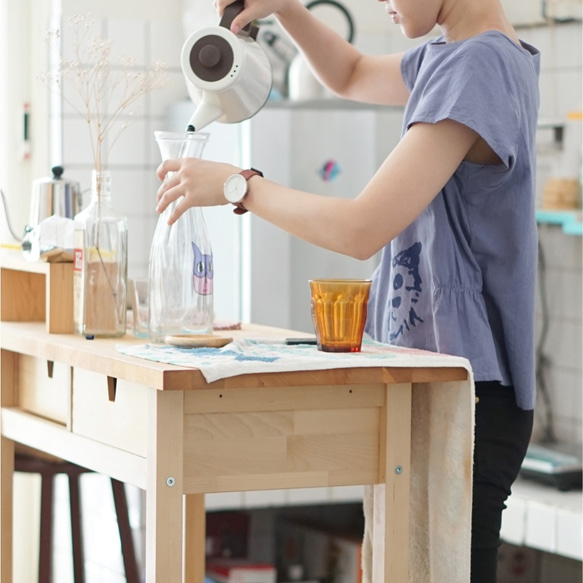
{"x":100,"y":355}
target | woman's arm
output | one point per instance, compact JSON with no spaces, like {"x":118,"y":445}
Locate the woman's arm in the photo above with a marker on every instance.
{"x":336,"y":62}
{"x":405,"y":184}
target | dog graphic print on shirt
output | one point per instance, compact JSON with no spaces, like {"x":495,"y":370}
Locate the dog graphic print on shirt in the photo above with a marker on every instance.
{"x":407,"y":289}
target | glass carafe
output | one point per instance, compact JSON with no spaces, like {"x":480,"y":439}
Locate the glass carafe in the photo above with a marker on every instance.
{"x":100,"y":264}
{"x":181,"y":259}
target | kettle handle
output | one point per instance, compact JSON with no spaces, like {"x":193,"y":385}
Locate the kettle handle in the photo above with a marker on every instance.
{"x":229,"y":14}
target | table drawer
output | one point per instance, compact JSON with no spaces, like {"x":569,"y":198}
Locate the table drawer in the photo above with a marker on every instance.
{"x":116,"y":417}
{"x":44,"y":388}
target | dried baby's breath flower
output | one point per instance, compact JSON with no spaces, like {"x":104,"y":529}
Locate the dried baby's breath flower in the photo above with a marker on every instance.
{"x":105,"y":91}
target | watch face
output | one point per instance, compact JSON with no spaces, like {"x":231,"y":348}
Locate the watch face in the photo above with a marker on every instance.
{"x":235,"y":188}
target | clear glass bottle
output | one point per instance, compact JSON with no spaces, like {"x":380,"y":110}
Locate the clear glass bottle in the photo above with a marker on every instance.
{"x":100,"y":264}
{"x":181,"y":258}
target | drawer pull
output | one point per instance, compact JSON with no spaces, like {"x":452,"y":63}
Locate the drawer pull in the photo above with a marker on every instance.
{"x":111,"y":388}
{"x":50,"y":367}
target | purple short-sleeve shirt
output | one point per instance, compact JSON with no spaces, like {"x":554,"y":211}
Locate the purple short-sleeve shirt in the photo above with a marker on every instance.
{"x":461,"y":278}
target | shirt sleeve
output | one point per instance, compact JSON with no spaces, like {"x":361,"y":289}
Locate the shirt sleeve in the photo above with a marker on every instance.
{"x":410,"y":65}
{"x":474,"y":86}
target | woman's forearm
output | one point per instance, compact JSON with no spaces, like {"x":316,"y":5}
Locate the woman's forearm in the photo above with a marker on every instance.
{"x":336,"y":224}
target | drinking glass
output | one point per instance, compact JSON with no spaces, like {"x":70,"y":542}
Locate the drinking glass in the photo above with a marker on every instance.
{"x":339,"y":308}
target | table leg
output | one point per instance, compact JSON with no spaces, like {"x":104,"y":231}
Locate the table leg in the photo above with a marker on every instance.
{"x":164,"y":487}
{"x":6,"y":492}
{"x":398,"y":482}
{"x":8,"y":397}
{"x":194,"y":538}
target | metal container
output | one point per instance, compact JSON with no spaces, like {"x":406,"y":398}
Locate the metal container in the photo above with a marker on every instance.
{"x":54,"y":196}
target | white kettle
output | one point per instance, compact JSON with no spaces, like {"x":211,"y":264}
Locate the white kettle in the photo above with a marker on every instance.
{"x":228,"y":76}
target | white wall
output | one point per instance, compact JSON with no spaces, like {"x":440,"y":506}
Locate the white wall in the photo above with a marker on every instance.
{"x":561,"y":93}
{"x":126,"y":9}
{"x":22,"y":33}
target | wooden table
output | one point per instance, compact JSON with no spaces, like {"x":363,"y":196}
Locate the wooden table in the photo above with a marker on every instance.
{"x":163,"y":428}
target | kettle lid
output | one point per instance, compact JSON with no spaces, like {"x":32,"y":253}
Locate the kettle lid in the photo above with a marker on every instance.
{"x":211,"y":57}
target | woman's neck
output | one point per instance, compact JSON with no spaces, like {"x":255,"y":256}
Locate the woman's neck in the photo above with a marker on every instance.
{"x":462,"y":19}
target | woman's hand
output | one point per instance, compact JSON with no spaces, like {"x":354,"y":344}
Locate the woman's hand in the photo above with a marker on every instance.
{"x":199,"y":182}
{"x":254,"y":9}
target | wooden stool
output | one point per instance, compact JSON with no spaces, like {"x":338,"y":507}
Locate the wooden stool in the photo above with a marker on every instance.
{"x":48,"y":468}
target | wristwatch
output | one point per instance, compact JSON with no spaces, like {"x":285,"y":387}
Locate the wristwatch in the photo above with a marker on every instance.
{"x":235,"y":188}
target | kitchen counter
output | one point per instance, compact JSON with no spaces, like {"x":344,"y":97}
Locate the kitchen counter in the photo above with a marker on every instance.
{"x":163,"y":428}
{"x":541,"y":517}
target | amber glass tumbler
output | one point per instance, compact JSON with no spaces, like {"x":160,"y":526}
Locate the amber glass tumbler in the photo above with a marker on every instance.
{"x":339,"y":313}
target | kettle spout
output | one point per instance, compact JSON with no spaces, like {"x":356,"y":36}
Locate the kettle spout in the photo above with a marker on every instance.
{"x":208,"y":110}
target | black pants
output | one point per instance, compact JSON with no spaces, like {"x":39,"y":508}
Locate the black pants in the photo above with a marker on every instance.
{"x":501,"y":437}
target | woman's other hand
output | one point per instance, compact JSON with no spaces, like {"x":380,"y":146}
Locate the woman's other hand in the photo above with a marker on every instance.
{"x":254,"y":9}
{"x":199,"y":183}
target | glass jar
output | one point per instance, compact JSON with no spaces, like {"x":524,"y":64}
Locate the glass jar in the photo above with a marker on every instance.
{"x":181,"y":258}
{"x":100,"y":264}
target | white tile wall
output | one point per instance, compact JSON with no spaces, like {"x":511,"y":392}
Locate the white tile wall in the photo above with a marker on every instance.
{"x":561,"y":92}
{"x":165,"y":41}
{"x":129,"y":39}
{"x":134,"y":156}
{"x":560,"y":47}
{"x":76,"y":144}
{"x":130,"y":147}
{"x":175,"y":92}
{"x":564,"y":344}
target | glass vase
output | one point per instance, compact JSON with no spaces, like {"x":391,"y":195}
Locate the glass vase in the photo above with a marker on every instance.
{"x":181,"y":258}
{"x":100,"y":264}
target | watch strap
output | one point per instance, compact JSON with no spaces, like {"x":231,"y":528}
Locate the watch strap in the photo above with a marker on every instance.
{"x":247,"y":174}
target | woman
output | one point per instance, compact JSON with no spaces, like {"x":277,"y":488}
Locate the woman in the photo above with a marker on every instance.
{"x":452,"y":207}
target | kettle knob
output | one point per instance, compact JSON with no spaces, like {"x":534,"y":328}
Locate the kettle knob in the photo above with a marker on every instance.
{"x":57,"y":172}
{"x":209,"y":56}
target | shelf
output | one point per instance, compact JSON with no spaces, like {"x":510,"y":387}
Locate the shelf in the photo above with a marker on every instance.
{"x":541,"y":517}
{"x":556,"y":126}
{"x":37,"y":291}
{"x":570,"y":221}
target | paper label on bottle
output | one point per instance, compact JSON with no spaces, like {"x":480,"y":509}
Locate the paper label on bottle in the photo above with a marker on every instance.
{"x":78,"y":281}
{"x":78,"y":260}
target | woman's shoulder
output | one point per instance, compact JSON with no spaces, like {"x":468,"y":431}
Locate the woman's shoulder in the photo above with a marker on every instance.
{"x":493,"y":45}
{"x":483,"y":57}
